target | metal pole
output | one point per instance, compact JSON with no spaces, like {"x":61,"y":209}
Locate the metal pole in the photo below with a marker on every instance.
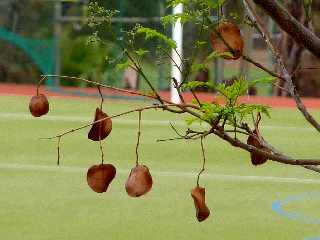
{"x":177,"y":36}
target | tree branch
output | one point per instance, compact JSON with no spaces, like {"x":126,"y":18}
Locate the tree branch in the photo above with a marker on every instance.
{"x":277,"y":157}
{"x":114,"y":116}
{"x":102,"y":85}
{"x":258,"y":65}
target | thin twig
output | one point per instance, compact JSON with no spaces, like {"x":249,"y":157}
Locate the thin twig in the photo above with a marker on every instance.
{"x":110,"y":117}
{"x":272,"y":73}
{"x":59,"y":141}
{"x":171,"y":58}
{"x":176,"y":85}
{"x":203,"y":161}
{"x":39,"y":84}
{"x":175,"y":130}
{"x":101,"y":96}
{"x":138,"y":140}
{"x":104,"y":86}
{"x":101,"y":149}
{"x":128,"y":92}
{"x":177,"y":138}
{"x":196,"y":97}
{"x":144,"y":77}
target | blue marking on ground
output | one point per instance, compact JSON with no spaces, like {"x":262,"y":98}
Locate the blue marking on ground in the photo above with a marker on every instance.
{"x":277,"y":206}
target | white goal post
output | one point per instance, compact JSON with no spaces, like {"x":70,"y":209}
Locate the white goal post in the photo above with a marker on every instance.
{"x":177,"y":36}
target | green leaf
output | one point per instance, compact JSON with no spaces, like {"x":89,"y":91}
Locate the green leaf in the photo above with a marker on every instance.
{"x":198,"y":67}
{"x":98,"y":15}
{"x":218,"y":3}
{"x":154,"y":34}
{"x":141,"y":52}
{"x":196,"y":84}
{"x":122,"y":66}
{"x":262,"y":80}
{"x":215,"y":55}
{"x":234,"y":91}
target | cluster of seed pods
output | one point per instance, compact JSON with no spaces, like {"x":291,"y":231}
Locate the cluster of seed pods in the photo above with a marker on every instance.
{"x":99,"y":177}
{"x":225,"y":37}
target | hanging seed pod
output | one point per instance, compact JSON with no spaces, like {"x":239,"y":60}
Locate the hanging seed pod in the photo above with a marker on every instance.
{"x":227,"y":35}
{"x":100,"y":130}
{"x":202,"y":211}
{"x":256,"y":158}
{"x":100,"y":176}
{"x":139,"y":181}
{"x":39,"y":105}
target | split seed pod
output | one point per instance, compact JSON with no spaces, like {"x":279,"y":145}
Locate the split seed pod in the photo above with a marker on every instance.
{"x":256,"y":158}
{"x":139,"y":181}
{"x":39,"y":105}
{"x":100,"y":130}
{"x":227,"y":35}
{"x":99,"y":177}
{"x":202,"y":211}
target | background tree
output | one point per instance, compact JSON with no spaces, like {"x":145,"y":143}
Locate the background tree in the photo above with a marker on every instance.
{"x":297,"y":58}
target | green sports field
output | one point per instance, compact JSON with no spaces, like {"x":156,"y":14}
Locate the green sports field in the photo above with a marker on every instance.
{"x":39,"y":200}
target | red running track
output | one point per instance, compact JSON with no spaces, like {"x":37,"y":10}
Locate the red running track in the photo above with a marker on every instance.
{"x":29,"y":90}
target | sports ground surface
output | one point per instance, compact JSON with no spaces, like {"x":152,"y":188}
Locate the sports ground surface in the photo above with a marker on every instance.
{"x":42,"y":201}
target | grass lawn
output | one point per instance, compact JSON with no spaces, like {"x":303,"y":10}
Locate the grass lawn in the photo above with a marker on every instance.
{"x":42,"y":201}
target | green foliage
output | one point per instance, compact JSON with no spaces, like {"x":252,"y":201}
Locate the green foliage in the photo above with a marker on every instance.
{"x":233,"y":115}
{"x":80,"y":59}
{"x":214,"y":55}
{"x":231,"y":112}
{"x":234,"y":91}
{"x":141,"y":52}
{"x":195,"y":11}
{"x":98,"y":15}
{"x":94,"y":39}
{"x":183,"y":17}
{"x":123,"y":65}
{"x":152,"y":34}
{"x":95,"y":61}
{"x":196,"y":84}
{"x":212,"y":4}
{"x":196,"y":67}
{"x":262,"y":80}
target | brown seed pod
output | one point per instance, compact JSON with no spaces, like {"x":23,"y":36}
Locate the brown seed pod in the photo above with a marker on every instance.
{"x":100,"y":130}
{"x":229,"y":33}
{"x":100,"y":176}
{"x":139,"y":181}
{"x":256,"y":158}
{"x":202,"y":211}
{"x":39,"y":105}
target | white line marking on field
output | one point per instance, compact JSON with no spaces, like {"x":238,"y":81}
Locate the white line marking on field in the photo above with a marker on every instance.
{"x":25,"y":116}
{"x":224,"y":177}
